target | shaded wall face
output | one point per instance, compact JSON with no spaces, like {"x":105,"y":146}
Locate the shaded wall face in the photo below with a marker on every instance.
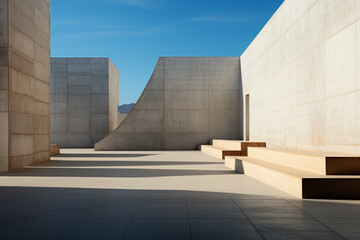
{"x":25,"y":82}
{"x":113,"y":97}
{"x":187,"y":102}
{"x":80,"y":100}
{"x":302,"y":76}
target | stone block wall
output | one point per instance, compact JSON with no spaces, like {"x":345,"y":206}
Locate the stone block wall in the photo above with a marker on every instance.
{"x":84,"y":100}
{"x":24,"y":82}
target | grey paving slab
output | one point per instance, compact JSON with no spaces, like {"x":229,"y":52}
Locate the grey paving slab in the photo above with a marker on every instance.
{"x":109,"y":214}
{"x":348,"y":228}
{"x":289,"y":225}
{"x":161,"y":208}
{"x":96,"y":229}
{"x":215,"y":211}
{"x":270,"y":208}
{"x":223,"y":229}
{"x":159,"y":229}
{"x":163,"y":195}
{"x":301,"y":235}
{"x":83,"y":194}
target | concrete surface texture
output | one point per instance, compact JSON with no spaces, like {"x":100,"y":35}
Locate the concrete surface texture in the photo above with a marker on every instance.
{"x":121,"y":117}
{"x":54,"y":149}
{"x":302,"y":76}
{"x":24,"y":82}
{"x":221,"y":148}
{"x":84,"y":100}
{"x":308,"y":175}
{"x":187,"y":102}
{"x":84,"y":194}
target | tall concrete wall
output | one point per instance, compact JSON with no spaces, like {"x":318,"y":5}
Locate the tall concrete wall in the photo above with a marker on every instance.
{"x":302,"y":74}
{"x":113,"y":97}
{"x":84,"y":100}
{"x":186,"y":102}
{"x":121,"y":117}
{"x":4,"y":87}
{"x":24,"y":82}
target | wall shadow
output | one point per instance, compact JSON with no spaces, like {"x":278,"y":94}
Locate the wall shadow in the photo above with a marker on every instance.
{"x":104,"y":155}
{"x":69,"y":163}
{"x":109,"y":173}
{"x":84,"y":213}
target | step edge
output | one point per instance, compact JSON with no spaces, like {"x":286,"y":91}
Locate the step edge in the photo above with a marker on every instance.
{"x":288,"y":151}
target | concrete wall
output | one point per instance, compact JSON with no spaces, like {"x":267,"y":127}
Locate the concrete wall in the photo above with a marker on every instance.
{"x":84,"y":100}
{"x":113,"y":97}
{"x":302,"y":73}
{"x":186,"y":102}
{"x":121,"y":117}
{"x":4,"y":87}
{"x":24,"y":82}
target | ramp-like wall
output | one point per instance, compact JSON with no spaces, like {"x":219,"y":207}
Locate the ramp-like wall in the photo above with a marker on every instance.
{"x":186,"y":102}
{"x":302,"y":74}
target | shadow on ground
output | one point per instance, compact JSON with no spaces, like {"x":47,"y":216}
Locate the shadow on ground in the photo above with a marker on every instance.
{"x":71,"y":213}
{"x":104,"y":155}
{"x":69,"y":163}
{"x":109,"y":173}
{"x":86,"y":168}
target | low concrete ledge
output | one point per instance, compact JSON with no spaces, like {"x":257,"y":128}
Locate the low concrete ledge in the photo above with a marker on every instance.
{"x":221,"y":148}
{"x":54,"y":149}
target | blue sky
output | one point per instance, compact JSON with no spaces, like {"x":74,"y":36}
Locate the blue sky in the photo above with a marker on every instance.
{"x":134,"y":33}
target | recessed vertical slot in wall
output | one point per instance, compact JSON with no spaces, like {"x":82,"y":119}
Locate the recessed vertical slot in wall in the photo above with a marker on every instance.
{"x":247,"y":119}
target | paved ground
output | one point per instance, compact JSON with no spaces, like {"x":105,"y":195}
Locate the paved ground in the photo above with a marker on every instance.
{"x":158,"y":195}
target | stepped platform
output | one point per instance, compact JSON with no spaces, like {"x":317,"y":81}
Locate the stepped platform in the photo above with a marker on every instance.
{"x":315,"y":162}
{"x":219,"y":152}
{"x":300,"y":173}
{"x":221,"y":148}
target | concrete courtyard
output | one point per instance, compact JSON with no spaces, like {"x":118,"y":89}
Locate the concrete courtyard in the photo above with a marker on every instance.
{"x":83,"y":194}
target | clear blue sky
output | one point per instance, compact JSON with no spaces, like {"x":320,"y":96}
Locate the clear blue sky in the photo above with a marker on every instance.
{"x":134,"y":33}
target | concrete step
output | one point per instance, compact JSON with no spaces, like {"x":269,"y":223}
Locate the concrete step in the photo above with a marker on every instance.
{"x":320,"y":163}
{"x":237,"y":145}
{"x":302,"y":184}
{"x":219,"y":152}
{"x":230,"y":144}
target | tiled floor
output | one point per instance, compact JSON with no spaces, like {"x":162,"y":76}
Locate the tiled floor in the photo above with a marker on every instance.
{"x":159,"y":195}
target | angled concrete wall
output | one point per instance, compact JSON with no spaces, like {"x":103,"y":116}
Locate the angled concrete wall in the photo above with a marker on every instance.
{"x":84,"y":100}
{"x":302,"y":74}
{"x":121,"y":117}
{"x":186,"y":102}
{"x":24,"y":82}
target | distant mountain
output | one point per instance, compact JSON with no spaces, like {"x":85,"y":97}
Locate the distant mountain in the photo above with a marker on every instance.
{"x":125,"y":108}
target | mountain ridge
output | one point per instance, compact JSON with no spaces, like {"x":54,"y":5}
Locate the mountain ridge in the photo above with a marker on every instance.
{"x":125,"y":108}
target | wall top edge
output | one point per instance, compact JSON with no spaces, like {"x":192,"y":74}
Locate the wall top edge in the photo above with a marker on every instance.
{"x":80,"y":58}
{"x":193,"y":57}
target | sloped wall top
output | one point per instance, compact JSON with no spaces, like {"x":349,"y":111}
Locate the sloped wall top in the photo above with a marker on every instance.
{"x":187,"y":101}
